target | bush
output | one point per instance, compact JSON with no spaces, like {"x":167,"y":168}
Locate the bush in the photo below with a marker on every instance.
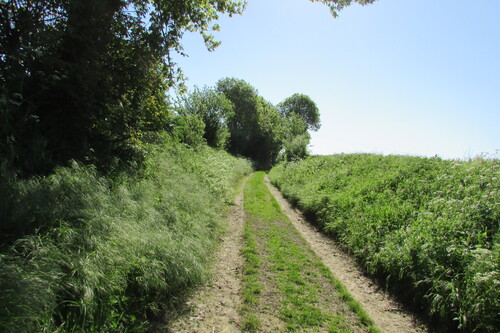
{"x":93,"y":254}
{"x":429,"y":227}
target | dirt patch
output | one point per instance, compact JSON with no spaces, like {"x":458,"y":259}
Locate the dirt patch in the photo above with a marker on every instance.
{"x":387,"y":313}
{"x":215,"y":307}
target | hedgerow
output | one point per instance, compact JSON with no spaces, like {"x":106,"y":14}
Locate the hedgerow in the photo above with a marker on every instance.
{"x":428,"y":227}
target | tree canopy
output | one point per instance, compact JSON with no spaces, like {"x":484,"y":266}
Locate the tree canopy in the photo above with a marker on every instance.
{"x":266,"y":133}
{"x":84,"y":79}
{"x":212,"y":109}
{"x":337,"y":5}
{"x":254,"y":127}
{"x":303,"y":107}
{"x":81,"y":79}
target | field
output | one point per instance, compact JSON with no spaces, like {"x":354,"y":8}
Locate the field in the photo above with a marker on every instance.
{"x":82,"y":252}
{"x":426,"y":227}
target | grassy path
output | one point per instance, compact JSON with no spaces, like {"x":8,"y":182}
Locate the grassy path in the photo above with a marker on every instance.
{"x":286,"y":287}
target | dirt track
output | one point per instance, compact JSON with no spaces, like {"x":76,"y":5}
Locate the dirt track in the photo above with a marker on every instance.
{"x":215,"y":307}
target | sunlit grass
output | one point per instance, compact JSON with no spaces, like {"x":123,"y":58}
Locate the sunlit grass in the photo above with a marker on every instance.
{"x":87,"y":253}
{"x":251,"y":284}
{"x":298,"y":276}
{"x":428,"y":227}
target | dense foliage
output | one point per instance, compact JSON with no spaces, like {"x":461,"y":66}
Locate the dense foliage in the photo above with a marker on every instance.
{"x":81,"y":252}
{"x":208,"y":108}
{"x":302,"y":106}
{"x":256,"y":127}
{"x":234,"y":116}
{"x":83,"y":79}
{"x":429,"y":227}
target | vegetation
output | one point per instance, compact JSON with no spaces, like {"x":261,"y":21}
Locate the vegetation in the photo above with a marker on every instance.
{"x":209,"y":109}
{"x":256,"y":127}
{"x":86,"y":253}
{"x":337,"y":5}
{"x":284,"y":278}
{"x":428,"y":227}
{"x":85,"y":79}
{"x":303,"y":107}
{"x":233,"y":116}
{"x":106,"y":220}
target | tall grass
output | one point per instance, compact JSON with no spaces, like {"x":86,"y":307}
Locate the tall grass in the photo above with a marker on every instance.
{"x":86,"y":253}
{"x":429,"y":227}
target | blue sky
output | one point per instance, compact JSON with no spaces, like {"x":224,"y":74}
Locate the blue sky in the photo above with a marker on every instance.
{"x":419,"y":77}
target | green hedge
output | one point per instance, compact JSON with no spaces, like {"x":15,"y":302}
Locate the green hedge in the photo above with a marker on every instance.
{"x":86,"y":253}
{"x":429,"y":227}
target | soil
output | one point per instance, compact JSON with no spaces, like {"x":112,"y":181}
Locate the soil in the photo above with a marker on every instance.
{"x":387,"y":313}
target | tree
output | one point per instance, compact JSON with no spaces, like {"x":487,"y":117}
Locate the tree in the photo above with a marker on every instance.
{"x":301,"y":114}
{"x":268,"y":141}
{"x":256,"y":127}
{"x":337,"y":5}
{"x":214,"y":110}
{"x":188,"y":129}
{"x":244,"y":123}
{"x":83,"y":78}
{"x":263,"y":132}
{"x":296,"y":147}
{"x":296,"y":138}
{"x":302,"y":106}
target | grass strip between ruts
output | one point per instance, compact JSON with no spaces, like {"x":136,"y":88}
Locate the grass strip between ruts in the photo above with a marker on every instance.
{"x":285,"y":280}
